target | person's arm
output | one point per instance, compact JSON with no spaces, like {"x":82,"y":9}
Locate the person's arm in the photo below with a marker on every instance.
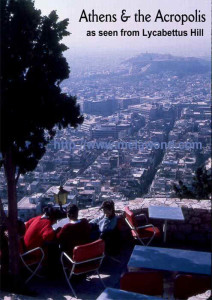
{"x":48,"y":235}
{"x":96,"y":221}
{"x":108,"y":224}
{"x":28,"y":223}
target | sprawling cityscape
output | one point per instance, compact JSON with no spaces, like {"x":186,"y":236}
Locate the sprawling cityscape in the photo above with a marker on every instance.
{"x":146,"y":126}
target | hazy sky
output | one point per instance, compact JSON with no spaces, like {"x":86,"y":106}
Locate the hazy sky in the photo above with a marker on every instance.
{"x":78,"y":41}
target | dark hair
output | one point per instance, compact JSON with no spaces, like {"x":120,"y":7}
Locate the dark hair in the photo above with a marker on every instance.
{"x":72,"y":210}
{"x":108,"y":204}
{"x":51,"y":212}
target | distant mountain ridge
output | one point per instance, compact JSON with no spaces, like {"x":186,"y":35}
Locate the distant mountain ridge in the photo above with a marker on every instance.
{"x":149,"y":63}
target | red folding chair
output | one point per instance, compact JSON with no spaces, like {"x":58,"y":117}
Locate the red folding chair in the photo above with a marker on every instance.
{"x":141,"y":233}
{"x":186,"y":285}
{"x":148,"y":283}
{"x":86,"y":258}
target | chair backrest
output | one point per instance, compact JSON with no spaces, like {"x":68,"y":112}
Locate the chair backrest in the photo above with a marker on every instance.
{"x":89,"y":251}
{"x":121,"y":224}
{"x":186,"y":286}
{"x":148,"y":283}
{"x":130,"y":216}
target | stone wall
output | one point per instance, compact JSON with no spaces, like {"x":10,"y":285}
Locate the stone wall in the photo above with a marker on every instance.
{"x":196,"y":229}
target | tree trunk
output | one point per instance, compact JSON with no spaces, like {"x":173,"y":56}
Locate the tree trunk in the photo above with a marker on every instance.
{"x":12,"y":218}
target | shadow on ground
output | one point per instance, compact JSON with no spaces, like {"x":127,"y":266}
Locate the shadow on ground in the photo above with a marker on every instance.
{"x":89,"y":288}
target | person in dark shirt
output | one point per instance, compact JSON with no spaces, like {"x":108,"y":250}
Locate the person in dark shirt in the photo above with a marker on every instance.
{"x":108,"y":221}
{"x":105,"y":227}
{"x":76,"y":232}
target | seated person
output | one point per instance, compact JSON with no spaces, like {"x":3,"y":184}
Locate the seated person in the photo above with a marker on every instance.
{"x":39,"y":233}
{"x":105,"y":227}
{"x":39,"y":229}
{"x":76,"y":232}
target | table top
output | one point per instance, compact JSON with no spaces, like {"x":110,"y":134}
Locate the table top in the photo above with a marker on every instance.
{"x":173,"y":260}
{"x":112,"y":294}
{"x":205,"y":295}
{"x":166,"y":213}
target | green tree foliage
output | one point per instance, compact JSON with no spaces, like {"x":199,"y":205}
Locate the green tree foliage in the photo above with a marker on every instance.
{"x":181,"y":191}
{"x":201,"y":186}
{"x":32,"y":103}
{"x":33,"y":66}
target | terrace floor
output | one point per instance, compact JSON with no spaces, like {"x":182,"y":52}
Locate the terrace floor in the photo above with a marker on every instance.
{"x":111,"y":270}
{"x":91,"y":288}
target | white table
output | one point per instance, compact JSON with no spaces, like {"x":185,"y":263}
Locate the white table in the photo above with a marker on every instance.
{"x":173,"y":260}
{"x":116,"y":294}
{"x":165,"y":213}
{"x":202,"y":296}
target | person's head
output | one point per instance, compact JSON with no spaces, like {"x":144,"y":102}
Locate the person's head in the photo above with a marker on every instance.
{"x":108,"y":208}
{"x":72,"y":212}
{"x":53,"y":214}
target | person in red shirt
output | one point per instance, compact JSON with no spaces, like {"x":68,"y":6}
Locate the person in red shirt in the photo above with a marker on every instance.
{"x":39,"y":233}
{"x":76,"y":232}
{"x":39,"y":230}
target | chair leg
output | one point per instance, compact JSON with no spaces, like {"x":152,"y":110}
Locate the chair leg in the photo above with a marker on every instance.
{"x":150,"y":240}
{"x":33,"y":273}
{"x":141,"y":242}
{"x":114,"y":259}
{"x":101,"y":279}
{"x":30,"y":270}
{"x":68,"y":281}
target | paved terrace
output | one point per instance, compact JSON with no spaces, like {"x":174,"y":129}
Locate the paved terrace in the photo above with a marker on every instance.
{"x":193,"y":234}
